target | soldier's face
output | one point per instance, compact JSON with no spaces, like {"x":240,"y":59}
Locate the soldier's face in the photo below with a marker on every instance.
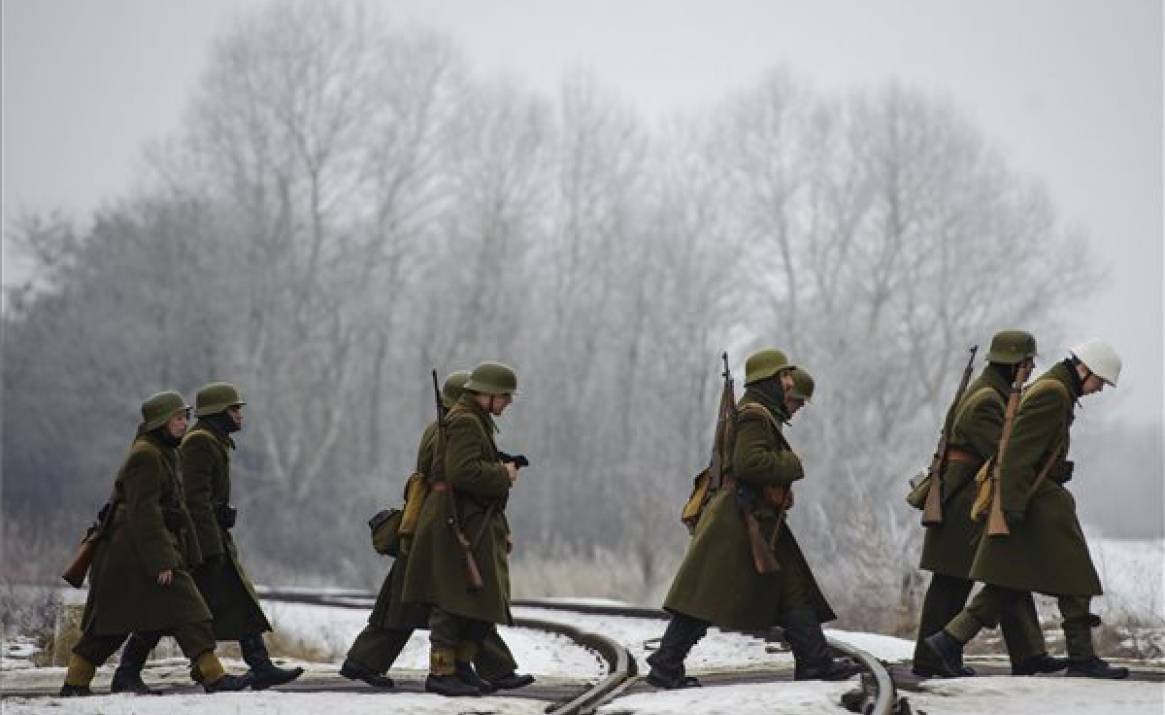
{"x":1092,"y":384}
{"x":176,"y":426}
{"x":499,"y":403}
{"x":792,"y":404}
{"x":236,"y":415}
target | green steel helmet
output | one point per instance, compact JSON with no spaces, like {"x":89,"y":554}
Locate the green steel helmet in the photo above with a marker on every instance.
{"x":1011,"y":346}
{"x":802,"y":384}
{"x":764,"y":364}
{"x":216,"y":397}
{"x":492,"y":378}
{"x":160,"y":407}
{"x":454,"y":385}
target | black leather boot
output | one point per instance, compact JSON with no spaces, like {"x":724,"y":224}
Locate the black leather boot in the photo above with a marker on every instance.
{"x":812,"y":657}
{"x":949,"y":652}
{"x":1042,"y":663}
{"x":667,"y":663}
{"x":450,"y":685}
{"x":128,"y":676}
{"x":264,"y":673}
{"x":1096,"y":667}
{"x":468,"y":675}
{"x":74,"y":691}
{"x":227,"y":684}
{"x":354,"y":671}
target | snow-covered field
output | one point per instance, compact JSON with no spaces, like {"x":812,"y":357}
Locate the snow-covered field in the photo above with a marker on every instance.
{"x":1133,"y":576}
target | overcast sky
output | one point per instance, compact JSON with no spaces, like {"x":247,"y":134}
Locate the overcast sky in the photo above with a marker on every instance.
{"x":1069,"y":91}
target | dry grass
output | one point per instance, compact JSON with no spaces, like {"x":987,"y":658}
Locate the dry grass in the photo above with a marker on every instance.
{"x":31,"y":612}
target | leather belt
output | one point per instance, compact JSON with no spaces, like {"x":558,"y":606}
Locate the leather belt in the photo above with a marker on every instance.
{"x":963,"y":457}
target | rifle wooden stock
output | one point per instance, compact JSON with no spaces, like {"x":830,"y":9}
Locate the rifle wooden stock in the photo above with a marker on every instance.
{"x":79,"y":567}
{"x":996,"y":523}
{"x":762,"y":556}
{"x":932,"y":512}
{"x":472,"y":572}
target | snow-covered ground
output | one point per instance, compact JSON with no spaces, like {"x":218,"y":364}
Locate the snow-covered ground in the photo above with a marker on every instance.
{"x":332,"y":630}
{"x":275,"y":703}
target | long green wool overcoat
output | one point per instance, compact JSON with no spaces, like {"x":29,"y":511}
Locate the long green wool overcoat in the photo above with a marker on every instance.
{"x":717,"y":581}
{"x":391,"y":611}
{"x":124,"y":594}
{"x":206,"y":469}
{"x":1046,"y":552}
{"x":436,"y":574}
{"x":949,"y":548}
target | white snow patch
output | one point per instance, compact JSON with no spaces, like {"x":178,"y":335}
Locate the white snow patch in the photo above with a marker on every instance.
{"x":275,"y":703}
{"x":715,"y":652}
{"x":800,"y":698}
{"x":16,"y":653}
{"x":882,"y":647}
{"x":1039,"y":696}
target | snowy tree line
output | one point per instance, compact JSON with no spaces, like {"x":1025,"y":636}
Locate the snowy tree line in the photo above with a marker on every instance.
{"x":348,"y":203}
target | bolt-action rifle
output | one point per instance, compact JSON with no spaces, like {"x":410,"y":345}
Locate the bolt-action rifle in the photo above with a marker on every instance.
{"x":75,"y":572}
{"x":472,"y":572}
{"x":996,"y":523}
{"x":932,"y":512}
{"x":711,"y":478}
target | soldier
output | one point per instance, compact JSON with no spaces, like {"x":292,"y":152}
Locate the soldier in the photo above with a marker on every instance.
{"x":719,"y":582}
{"x":469,"y":486}
{"x":140,"y":578}
{"x":1045,"y":550}
{"x":949,"y":547}
{"x":392,"y":622}
{"x":206,"y":465}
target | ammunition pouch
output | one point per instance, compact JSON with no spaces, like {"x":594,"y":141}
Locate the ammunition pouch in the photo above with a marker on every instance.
{"x":919,"y":488}
{"x":983,"y":489}
{"x":384,"y":526}
{"x":416,"y":490}
{"x":697,"y":500}
{"x":225,"y":515}
{"x":172,"y":518}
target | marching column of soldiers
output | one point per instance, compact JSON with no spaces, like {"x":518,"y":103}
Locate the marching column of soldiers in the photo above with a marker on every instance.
{"x":164,"y":561}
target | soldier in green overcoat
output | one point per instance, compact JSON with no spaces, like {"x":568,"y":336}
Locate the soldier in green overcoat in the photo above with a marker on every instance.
{"x":1045,"y":550}
{"x":949,"y":547}
{"x":140,"y":577}
{"x":392,"y":621}
{"x":719,"y":582}
{"x":469,"y":488}
{"x":206,"y":466}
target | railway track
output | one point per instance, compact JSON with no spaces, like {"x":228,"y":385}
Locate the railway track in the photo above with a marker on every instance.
{"x":877,"y":694}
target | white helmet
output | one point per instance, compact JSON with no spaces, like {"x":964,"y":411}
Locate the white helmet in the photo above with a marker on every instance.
{"x":1099,"y":357}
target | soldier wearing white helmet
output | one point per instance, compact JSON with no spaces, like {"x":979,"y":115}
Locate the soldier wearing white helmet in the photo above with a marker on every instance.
{"x":1096,"y":359}
{"x":1045,"y":551}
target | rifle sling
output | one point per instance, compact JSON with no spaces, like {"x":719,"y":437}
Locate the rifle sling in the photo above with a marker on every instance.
{"x":1047,"y":469}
